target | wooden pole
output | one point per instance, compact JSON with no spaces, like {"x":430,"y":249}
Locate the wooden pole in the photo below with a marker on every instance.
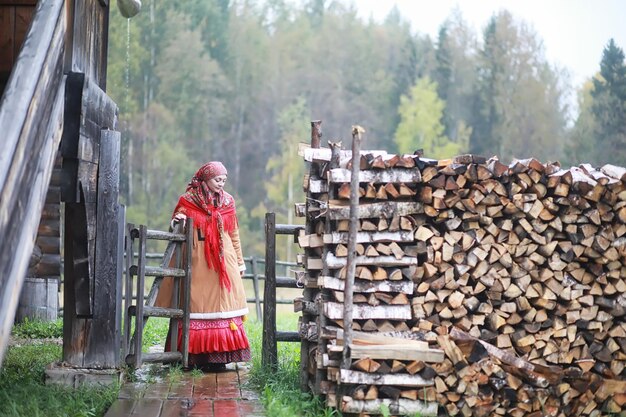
{"x":255,"y":285}
{"x":128,"y":291}
{"x":351,"y":267}
{"x":141,"y":276}
{"x":316,"y":133}
{"x":269,"y":357}
{"x":187,"y":291}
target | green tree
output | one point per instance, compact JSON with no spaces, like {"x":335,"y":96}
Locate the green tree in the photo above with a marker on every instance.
{"x":285,"y":170}
{"x":609,"y":107}
{"x":420,"y":123}
{"x":581,"y":140}
{"x":519,"y":110}
{"x":455,"y":74}
{"x":195,"y":90}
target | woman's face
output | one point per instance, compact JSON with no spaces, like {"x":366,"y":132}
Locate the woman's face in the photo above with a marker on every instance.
{"x":216,"y":184}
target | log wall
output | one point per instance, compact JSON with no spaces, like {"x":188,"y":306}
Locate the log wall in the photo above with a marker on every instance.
{"x":515,"y":271}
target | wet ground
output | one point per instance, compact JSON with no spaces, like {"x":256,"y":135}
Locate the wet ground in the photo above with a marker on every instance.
{"x":215,"y":394}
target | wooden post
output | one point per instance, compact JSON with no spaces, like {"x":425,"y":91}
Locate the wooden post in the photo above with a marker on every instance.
{"x":128,"y":290}
{"x":316,"y":133}
{"x":255,"y":285}
{"x":141,"y":277}
{"x":104,"y":344}
{"x":351,"y":267}
{"x":270,"y":351}
{"x":187,"y":294}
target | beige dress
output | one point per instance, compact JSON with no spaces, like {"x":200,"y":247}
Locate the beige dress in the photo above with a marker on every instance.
{"x":216,"y":332}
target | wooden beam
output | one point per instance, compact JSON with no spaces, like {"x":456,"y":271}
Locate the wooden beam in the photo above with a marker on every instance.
{"x":334,"y":262}
{"x":399,"y":352}
{"x":356,"y":377}
{"x":392,"y":175}
{"x":334,"y":311}
{"x":332,"y":283}
{"x":400,"y":406}
{"x":30,"y":121}
{"x":405,"y":236}
{"x":387,"y":209}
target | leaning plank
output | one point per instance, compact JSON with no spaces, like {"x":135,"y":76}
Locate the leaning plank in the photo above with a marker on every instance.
{"x":387,"y":209}
{"x":413,"y":175}
{"x":370,"y":237}
{"x":365,"y":338}
{"x":403,"y":352}
{"x":334,"y":311}
{"x":332,"y":283}
{"x":400,"y":406}
{"x":347,"y":376}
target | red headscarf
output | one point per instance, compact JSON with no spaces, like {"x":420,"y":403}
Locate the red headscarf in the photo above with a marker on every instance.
{"x":212,"y":213}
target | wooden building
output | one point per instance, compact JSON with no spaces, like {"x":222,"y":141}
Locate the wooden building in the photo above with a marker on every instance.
{"x":54,"y":111}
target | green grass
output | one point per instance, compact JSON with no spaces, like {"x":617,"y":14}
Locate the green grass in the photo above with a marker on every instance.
{"x":280,"y":389}
{"x":36,"y":329}
{"x":23,"y":393}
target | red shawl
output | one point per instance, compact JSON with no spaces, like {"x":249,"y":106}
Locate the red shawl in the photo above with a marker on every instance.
{"x":211,"y":217}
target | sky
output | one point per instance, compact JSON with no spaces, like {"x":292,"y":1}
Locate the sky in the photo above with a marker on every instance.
{"x":574,"y":32}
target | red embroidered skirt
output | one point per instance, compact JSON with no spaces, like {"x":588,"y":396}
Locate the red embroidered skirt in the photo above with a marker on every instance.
{"x":216,"y":341}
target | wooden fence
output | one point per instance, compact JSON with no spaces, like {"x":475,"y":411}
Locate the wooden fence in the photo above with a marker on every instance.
{"x":255,"y":271}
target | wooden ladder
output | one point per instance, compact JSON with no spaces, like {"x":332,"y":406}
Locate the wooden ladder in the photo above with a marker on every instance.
{"x":144,"y":306}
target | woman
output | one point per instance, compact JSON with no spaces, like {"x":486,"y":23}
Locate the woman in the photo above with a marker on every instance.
{"x":218,"y":300}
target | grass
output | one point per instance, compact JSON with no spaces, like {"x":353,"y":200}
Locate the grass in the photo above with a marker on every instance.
{"x":280,"y":389}
{"x":23,"y":392}
{"x":36,"y":329}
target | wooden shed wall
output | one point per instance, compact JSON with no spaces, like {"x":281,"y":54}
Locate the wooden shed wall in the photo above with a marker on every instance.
{"x":15,"y":17}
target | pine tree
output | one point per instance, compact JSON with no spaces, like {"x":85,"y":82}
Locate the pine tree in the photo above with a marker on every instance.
{"x":609,"y":107}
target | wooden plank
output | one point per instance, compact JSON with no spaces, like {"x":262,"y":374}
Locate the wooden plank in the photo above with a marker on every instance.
{"x":403,"y":380}
{"x":334,"y":311}
{"x":387,"y":209}
{"x":398,"y":352}
{"x":366,"y":338}
{"x":269,"y":357}
{"x":396,"y":407}
{"x":391,"y":175}
{"x":324,"y":154}
{"x":334,"y":262}
{"x":31,"y":121}
{"x":101,"y":348}
{"x":41,"y":64}
{"x":23,"y":18}
{"x":404,"y":236}
{"x":7,"y":38}
{"x":332,"y":283}
{"x":89,"y":46}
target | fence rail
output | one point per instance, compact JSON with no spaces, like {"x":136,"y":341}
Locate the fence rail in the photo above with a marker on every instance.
{"x":255,"y":267}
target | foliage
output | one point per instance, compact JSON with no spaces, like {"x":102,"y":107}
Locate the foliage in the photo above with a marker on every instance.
{"x":239,"y":81}
{"x":279,"y":389}
{"x":154,"y":333}
{"x":38,"y":329}
{"x":23,"y":393}
{"x":420,"y":123}
{"x":609,"y":106}
{"x":286,"y":170}
{"x":519,"y":110}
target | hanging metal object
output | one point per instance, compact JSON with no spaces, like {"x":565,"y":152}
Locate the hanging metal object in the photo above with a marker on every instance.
{"x":129,"y":8}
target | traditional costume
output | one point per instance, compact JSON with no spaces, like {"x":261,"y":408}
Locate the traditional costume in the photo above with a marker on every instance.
{"x":218,"y":300}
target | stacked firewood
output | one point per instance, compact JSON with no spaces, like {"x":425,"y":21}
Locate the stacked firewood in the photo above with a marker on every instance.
{"x":527,"y":259}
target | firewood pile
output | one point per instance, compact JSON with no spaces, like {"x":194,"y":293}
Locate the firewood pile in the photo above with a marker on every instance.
{"x":480,"y":288}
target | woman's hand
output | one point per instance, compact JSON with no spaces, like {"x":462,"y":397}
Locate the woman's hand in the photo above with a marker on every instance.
{"x":179,"y":217}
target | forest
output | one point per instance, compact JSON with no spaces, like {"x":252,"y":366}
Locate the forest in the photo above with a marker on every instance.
{"x":240,"y":81}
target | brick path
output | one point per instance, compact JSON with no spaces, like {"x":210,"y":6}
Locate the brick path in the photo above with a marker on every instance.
{"x":221,"y":394}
